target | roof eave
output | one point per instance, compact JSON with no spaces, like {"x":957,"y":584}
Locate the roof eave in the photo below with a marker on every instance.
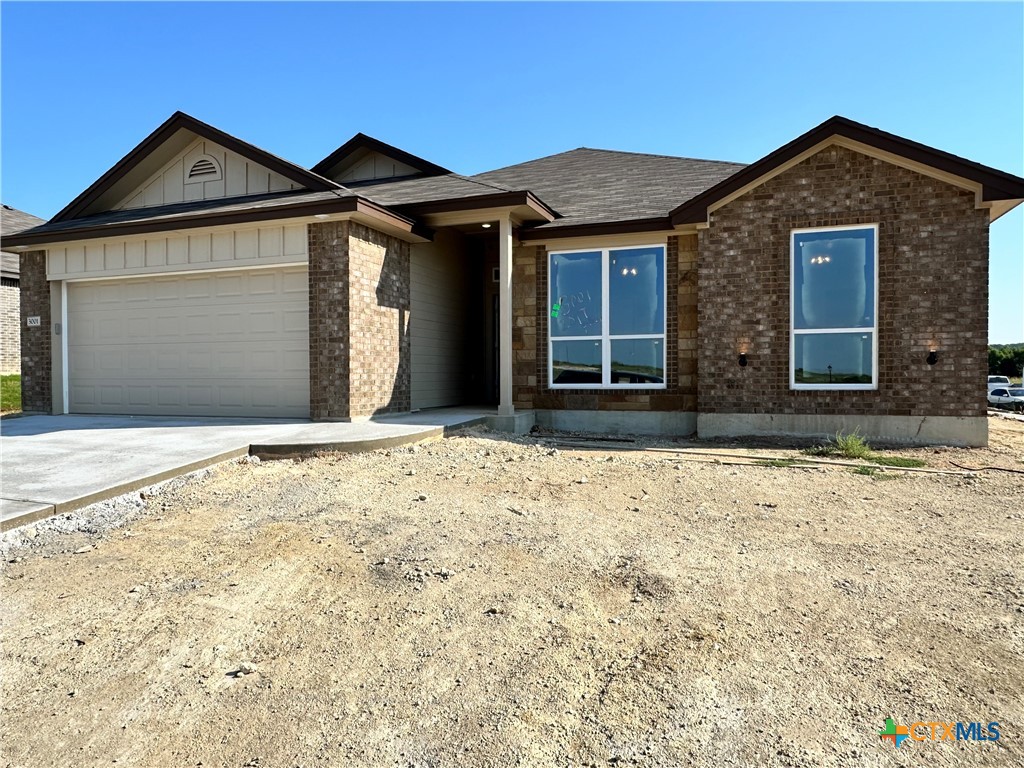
{"x":654,"y":224}
{"x":366,"y":210}
{"x":531,"y":207}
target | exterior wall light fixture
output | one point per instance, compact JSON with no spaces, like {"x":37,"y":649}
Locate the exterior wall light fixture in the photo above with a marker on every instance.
{"x":743,"y":360}
{"x":933,"y":357}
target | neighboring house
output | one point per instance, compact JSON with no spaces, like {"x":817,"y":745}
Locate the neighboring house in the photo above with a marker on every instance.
{"x":11,"y":221}
{"x":840,"y":282}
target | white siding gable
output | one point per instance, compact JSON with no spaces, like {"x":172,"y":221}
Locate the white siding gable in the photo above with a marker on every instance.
{"x":374,"y":165}
{"x":235,"y":176}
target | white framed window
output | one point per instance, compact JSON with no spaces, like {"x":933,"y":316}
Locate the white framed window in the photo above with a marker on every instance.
{"x":834,"y":308}
{"x":606,"y":327}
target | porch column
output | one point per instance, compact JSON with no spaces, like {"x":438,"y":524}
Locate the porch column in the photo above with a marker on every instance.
{"x":505,"y":407}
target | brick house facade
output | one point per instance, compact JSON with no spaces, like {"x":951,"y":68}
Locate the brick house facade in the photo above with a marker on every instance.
{"x":929,"y":231}
{"x":402,"y":285}
{"x":10,"y":325}
{"x":11,"y":222}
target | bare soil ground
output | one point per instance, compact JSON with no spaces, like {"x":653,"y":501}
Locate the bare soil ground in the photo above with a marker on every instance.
{"x":482,"y":601}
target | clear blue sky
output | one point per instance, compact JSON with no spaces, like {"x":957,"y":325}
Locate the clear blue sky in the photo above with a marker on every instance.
{"x":477,"y":86}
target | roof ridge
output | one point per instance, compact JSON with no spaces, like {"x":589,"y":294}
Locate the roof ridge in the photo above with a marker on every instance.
{"x":609,"y":151}
{"x":656,"y":154}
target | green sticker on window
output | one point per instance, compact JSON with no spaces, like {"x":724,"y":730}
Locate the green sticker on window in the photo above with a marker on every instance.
{"x":555,"y":308}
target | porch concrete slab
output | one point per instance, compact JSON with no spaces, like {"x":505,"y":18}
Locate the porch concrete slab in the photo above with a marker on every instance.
{"x":370,"y":435}
{"x":54,"y":464}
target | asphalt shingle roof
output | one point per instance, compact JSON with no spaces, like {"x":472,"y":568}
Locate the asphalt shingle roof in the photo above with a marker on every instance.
{"x":426,"y":189}
{"x":12,"y":220}
{"x":585,"y":186}
{"x":589,"y":186}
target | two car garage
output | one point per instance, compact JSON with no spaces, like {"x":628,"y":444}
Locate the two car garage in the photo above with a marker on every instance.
{"x":212,"y":343}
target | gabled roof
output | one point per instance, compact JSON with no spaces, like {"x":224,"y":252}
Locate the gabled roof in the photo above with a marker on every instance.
{"x":592,"y":187}
{"x":133,"y":167}
{"x":995,"y":184}
{"x":363,"y":143}
{"x":12,"y":220}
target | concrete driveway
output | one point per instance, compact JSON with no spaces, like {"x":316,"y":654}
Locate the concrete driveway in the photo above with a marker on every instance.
{"x":50,"y":464}
{"x":53,"y":464}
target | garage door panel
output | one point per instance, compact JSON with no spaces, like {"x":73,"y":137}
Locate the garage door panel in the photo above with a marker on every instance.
{"x":232,"y":344}
{"x":293,"y":283}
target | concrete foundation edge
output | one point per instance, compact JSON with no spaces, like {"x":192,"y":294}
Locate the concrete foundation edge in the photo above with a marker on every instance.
{"x":971,"y":431}
{"x":668,"y":423}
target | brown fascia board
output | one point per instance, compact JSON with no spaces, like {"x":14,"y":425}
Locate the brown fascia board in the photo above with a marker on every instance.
{"x":996,"y":184}
{"x":659,"y":224}
{"x":476,"y":202}
{"x":181,"y":121}
{"x":362,"y":141}
{"x":215,"y":219}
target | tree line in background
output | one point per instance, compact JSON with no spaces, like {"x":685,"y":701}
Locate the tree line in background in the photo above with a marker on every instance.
{"x":1005,"y":359}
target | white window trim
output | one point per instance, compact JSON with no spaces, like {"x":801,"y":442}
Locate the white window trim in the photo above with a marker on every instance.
{"x":605,"y":338}
{"x":793,"y":331}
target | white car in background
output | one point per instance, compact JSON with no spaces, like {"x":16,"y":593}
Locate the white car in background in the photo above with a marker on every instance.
{"x":998,"y":381}
{"x":1012,"y":398}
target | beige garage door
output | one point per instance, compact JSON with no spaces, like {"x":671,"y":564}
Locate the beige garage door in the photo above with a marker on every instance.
{"x":214,"y":344}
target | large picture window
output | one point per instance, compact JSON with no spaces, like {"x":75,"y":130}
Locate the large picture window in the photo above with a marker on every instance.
{"x":607,"y":318}
{"x":834,"y":308}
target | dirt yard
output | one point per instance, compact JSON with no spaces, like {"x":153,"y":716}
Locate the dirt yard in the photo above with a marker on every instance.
{"x":479,"y":601}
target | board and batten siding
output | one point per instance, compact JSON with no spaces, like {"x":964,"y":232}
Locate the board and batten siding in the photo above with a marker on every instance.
{"x":232,"y":249}
{"x":238,"y":176}
{"x":438,"y":323}
{"x":375,"y":166}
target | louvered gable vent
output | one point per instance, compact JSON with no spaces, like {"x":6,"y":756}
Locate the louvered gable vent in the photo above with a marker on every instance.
{"x":203,"y":168}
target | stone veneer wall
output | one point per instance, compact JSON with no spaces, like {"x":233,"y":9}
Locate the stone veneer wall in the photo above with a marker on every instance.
{"x":933,"y":289}
{"x":358,"y":322}
{"x":36,"y":342}
{"x":10,"y":326}
{"x":530,"y":339}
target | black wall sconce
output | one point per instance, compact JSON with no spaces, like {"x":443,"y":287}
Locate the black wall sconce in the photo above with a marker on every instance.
{"x":743,"y":360}
{"x":933,"y":357}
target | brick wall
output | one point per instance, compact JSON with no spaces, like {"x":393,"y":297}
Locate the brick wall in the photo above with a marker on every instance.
{"x":10,"y":326}
{"x":933,"y":289}
{"x":358,"y":322}
{"x":379,"y":300}
{"x":328,"y":321}
{"x":530,"y":339}
{"x":36,"y":342}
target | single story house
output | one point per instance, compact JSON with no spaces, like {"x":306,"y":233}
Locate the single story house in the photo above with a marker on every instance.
{"x":11,"y":220}
{"x":839,"y":282}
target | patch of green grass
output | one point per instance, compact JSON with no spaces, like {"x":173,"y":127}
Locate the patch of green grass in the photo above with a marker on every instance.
{"x":870,"y":471}
{"x":849,"y":446}
{"x":853,"y":446}
{"x":10,"y":392}
{"x":896,"y":461}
